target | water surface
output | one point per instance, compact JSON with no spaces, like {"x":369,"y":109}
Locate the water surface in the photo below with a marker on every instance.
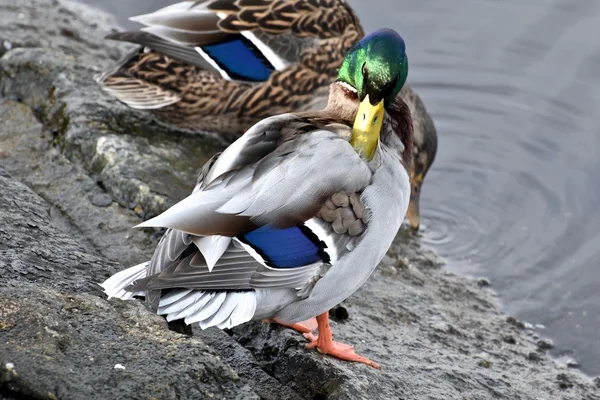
{"x":514,"y":90}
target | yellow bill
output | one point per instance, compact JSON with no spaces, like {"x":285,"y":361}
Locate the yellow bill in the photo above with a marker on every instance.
{"x":367,"y":127}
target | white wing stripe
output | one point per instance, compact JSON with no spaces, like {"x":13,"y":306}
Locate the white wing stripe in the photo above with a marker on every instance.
{"x":213,"y":64}
{"x":252,"y":252}
{"x":315,"y":226}
{"x":277,"y":62}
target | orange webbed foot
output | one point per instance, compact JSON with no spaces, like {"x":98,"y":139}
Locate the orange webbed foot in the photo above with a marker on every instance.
{"x":325,"y":344}
{"x":341,"y":351}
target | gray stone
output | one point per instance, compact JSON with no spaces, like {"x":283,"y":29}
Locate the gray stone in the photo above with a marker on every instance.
{"x":61,"y":339}
{"x":141,"y":163}
{"x":78,"y":170}
{"x":545,"y":344}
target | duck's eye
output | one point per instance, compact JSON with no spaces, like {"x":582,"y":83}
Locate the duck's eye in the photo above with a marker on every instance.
{"x":365,"y":72}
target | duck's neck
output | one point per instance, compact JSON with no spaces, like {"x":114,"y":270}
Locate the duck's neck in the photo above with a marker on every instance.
{"x":401,"y":125}
{"x":397,"y":131}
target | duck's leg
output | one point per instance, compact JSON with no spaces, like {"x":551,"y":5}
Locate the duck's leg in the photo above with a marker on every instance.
{"x":326,"y":345}
{"x":303,"y":327}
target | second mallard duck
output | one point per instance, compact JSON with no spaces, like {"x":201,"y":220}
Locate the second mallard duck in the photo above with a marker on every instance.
{"x":223,"y":65}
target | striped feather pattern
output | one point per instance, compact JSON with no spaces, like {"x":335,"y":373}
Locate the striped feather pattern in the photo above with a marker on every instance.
{"x":116,"y":284}
{"x":305,"y":40}
{"x":220,"y":309}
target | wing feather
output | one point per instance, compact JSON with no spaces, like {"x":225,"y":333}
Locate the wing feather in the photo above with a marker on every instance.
{"x":282,"y":196}
{"x":178,"y":51}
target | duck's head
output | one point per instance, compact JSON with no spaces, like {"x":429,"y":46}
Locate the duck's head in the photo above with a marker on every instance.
{"x":373,"y":73}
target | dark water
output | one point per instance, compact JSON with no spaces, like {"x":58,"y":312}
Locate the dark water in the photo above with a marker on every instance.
{"x":514,"y":89}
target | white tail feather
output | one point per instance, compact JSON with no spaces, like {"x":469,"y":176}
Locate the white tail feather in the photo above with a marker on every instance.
{"x":180,"y":304}
{"x":116,"y":284}
{"x":220,"y":309}
{"x":201,"y":301}
{"x":210,"y":309}
{"x":229,"y":303}
{"x":243,"y":312}
{"x":173,"y":297}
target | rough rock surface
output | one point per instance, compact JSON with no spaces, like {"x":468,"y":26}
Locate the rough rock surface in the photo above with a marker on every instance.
{"x":77,"y":170}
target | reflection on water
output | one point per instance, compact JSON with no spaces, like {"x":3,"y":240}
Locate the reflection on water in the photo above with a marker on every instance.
{"x":512,"y":87}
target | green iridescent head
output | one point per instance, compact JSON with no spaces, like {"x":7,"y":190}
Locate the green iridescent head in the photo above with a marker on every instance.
{"x":376,"y":66}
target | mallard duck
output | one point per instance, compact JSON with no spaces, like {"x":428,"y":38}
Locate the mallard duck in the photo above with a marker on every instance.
{"x":223,"y":65}
{"x":295,"y":215}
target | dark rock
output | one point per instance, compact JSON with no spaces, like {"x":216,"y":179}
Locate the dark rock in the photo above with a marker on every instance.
{"x":483,"y":283}
{"x":534,"y":356}
{"x":339,"y":313}
{"x":564,"y":381}
{"x":60,"y":338}
{"x":5,"y":46}
{"x":64,"y":145}
{"x":510,"y":339}
{"x":247,"y":367}
{"x":515,"y":322}
{"x":66,"y":186}
{"x":180,"y":327}
{"x":545,"y":344}
{"x":100,"y":199}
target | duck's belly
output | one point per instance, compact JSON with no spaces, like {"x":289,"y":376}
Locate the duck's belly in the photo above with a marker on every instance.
{"x":270,"y":302}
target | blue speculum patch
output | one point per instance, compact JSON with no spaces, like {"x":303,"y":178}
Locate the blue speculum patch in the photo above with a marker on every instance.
{"x":240,"y":59}
{"x":286,"y":248}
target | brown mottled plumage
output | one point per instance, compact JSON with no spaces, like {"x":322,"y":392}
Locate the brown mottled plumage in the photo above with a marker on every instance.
{"x":168,"y":75}
{"x":321,"y":31}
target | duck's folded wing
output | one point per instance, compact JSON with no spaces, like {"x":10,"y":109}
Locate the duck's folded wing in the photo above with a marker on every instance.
{"x":178,"y":51}
{"x":290,"y":31}
{"x":284,"y":188}
{"x":180,"y":260}
{"x":294,"y":45}
{"x":277,"y":30}
{"x":236,"y":269}
{"x":184,"y":24}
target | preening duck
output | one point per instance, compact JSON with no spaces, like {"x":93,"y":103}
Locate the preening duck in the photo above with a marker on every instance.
{"x":224,"y":65}
{"x":294,"y":216}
